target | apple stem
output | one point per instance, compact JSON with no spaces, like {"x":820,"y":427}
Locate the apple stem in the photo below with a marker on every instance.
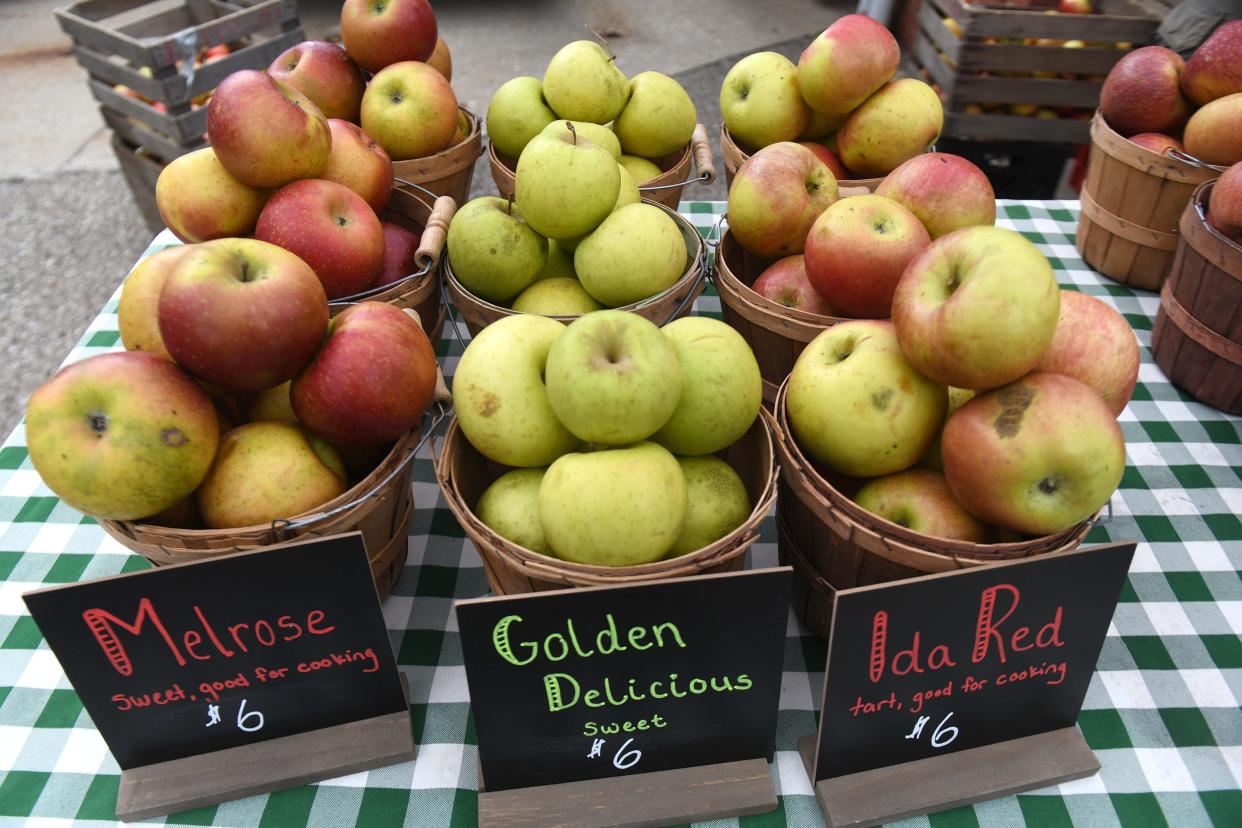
{"x":612,"y":56}
{"x":569,"y":125}
{"x":509,"y":205}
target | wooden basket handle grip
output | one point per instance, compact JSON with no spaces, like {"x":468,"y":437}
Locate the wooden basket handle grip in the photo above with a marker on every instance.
{"x":431,"y":245}
{"x":701,"y":147}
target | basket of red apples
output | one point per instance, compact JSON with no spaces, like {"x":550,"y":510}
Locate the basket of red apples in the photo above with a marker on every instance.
{"x":978,"y":425}
{"x":1197,"y":339}
{"x":840,"y":101}
{"x":1165,"y":126}
{"x":607,"y":451}
{"x":646,"y":122}
{"x":240,"y":416}
{"x":797,"y":259}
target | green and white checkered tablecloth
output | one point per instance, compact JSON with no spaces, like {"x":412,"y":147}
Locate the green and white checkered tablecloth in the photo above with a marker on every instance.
{"x":1162,"y":712}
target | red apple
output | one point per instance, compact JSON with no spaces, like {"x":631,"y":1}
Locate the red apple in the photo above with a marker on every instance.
{"x":1225,"y":204}
{"x":324,"y":73}
{"x":1095,"y":345}
{"x":828,"y":157}
{"x":200,"y":200}
{"x":920,"y":500}
{"x":776,"y":195}
{"x":359,"y":163}
{"x":1156,"y":142}
{"x":1142,"y":92}
{"x":400,"y":253}
{"x":242,"y":313}
{"x":1074,"y":7}
{"x":849,"y":61}
{"x":857,"y":250}
{"x":946,"y":192}
{"x":265,"y":132}
{"x":785,"y":283}
{"x":330,"y":228}
{"x":372,"y":379}
{"x":1215,"y":69}
{"x":378,"y":33}
{"x":1214,"y":132}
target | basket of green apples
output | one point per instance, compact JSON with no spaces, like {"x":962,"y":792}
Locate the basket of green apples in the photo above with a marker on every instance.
{"x":607,"y":451}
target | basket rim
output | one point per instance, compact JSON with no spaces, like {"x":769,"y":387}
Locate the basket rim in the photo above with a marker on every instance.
{"x":474,"y":136}
{"x":1109,"y":141}
{"x":1194,"y":218}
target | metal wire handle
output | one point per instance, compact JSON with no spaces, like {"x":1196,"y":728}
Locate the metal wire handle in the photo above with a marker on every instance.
{"x":701,"y":178}
{"x":1175,"y":153}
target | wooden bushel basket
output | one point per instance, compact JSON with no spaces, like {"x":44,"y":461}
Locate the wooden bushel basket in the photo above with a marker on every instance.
{"x":1197,"y":340}
{"x":450,"y":171}
{"x":419,"y":290}
{"x":464,"y":475}
{"x":833,"y":543}
{"x":1131,"y":203}
{"x":664,"y":189}
{"x":776,"y":334}
{"x":735,"y":157}
{"x":664,"y":307}
{"x":379,"y":506}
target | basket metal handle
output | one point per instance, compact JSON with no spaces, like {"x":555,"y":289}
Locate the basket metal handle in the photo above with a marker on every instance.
{"x":1175,"y":153}
{"x":701,"y":151}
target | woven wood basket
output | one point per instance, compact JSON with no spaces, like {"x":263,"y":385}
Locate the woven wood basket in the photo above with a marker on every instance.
{"x":735,"y":156}
{"x":464,"y":474}
{"x":1197,"y":340}
{"x":833,"y":543}
{"x":379,"y":506}
{"x":448,"y":172}
{"x":1131,"y":203}
{"x":429,"y":216}
{"x":776,"y":334}
{"x":664,"y":189}
{"x":676,"y":301}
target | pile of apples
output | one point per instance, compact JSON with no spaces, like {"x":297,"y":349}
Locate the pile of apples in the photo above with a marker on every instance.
{"x":289,"y":162}
{"x":840,"y":99}
{"x":1162,"y":102}
{"x":610,"y":427}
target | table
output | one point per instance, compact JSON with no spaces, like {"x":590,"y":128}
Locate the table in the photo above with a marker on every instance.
{"x":1162,"y":712}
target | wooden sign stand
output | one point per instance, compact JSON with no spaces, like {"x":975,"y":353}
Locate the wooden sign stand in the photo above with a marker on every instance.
{"x":643,"y":800}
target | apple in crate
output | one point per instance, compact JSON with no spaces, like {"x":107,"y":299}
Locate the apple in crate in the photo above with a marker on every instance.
{"x":330,"y":228}
{"x":614,"y":507}
{"x":121,"y":435}
{"x":1096,"y":345}
{"x":493,"y":250}
{"x":716,"y":503}
{"x":499,"y":394}
{"x":946,"y":192}
{"x":200,"y":200}
{"x":358,"y":162}
{"x":760,"y":102}
{"x":266,"y":133}
{"x":1037,"y":456}
{"x":1214,"y":133}
{"x":410,"y":109}
{"x":1142,"y":92}
{"x":377,"y":34}
{"x":510,"y":508}
{"x":978,"y":308}
{"x":400,"y":253}
{"x":635,"y":253}
{"x":517,"y":113}
{"x":137,"y":311}
{"x":266,"y":471}
{"x":372,"y":379}
{"x":1225,"y":204}
{"x":658,"y":119}
{"x":857,"y":405}
{"x":1215,"y":69}
{"x":785,"y":283}
{"x":776,"y":196}
{"x":847,"y":64}
{"x":566,"y":184}
{"x":582,"y":83}
{"x":613,"y":378}
{"x":895,"y":124}
{"x":324,"y":73}
{"x":920,"y":500}
{"x":858,"y":249}
{"x":242,"y":313}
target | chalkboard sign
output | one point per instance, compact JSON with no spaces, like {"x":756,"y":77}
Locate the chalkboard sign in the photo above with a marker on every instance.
{"x":190,"y":659}
{"x":939,"y":664}
{"x":608,"y":681}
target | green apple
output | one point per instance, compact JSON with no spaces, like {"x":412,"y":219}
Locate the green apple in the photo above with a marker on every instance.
{"x":658,"y":119}
{"x":273,"y":404}
{"x":716,"y":503}
{"x":516,"y":114}
{"x":628,"y":192}
{"x":510,"y":508}
{"x":858,"y":406}
{"x":599,"y":135}
{"x":493,"y":251}
{"x":895,"y":124}
{"x":614,"y":507}
{"x":612,"y":378}
{"x":820,"y":125}
{"x":558,"y":296}
{"x":932,"y":459}
{"x":760,"y":101}
{"x":636,"y":252}
{"x":920,"y":500}
{"x":582,"y":83}
{"x":499,"y":395}
{"x":721,"y":388}
{"x":565,"y":184}
{"x":642,"y":169}
{"x":560,"y":263}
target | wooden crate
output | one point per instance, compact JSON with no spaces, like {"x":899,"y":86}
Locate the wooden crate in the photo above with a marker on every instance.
{"x":995,"y":62}
{"x":150,"y":47}
{"x":140,"y":171}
